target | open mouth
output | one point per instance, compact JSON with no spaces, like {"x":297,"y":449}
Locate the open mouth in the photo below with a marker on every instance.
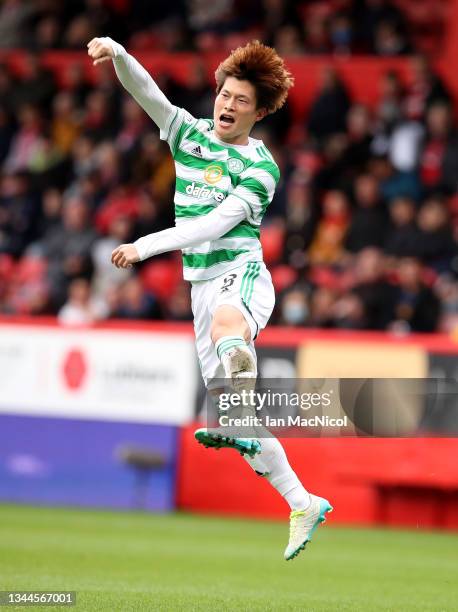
{"x":226,"y":120}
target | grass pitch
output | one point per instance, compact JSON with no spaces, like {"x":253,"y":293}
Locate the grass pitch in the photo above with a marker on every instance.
{"x":136,"y":561}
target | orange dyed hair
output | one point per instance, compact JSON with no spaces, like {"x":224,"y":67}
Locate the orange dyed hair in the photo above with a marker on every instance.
{"x":263,"y":68}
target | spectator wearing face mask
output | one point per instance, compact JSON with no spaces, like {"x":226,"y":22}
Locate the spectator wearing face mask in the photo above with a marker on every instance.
{"x":294,"y":308}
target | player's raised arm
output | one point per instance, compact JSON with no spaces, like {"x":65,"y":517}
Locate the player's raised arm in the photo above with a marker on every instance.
{"x":136,"y":80}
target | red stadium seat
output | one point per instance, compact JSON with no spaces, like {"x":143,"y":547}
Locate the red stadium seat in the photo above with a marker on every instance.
{"x":7,"y":266}
{"x":272,"y":240}
{"x":29,"y":269}
{"x":282,"y":277}
{"x":161,"y":277}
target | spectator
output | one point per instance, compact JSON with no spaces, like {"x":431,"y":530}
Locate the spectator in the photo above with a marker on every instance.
{"x":37,"y":86}
{"x":288,"y":41}
{"x":373,"y":292}
{"x":390,"y":41}
{"x":79,"y":31}
{"x":327,"y":246}
{"x":329,"y":109}
{"x":196,"y":95}
{"x":389,"y":106}
{"x":372,"y":15}
{"x":403,"y":238}
{"x":436,"y":244}
{"x":301,"y":220}
{"x":80,"y":308}
{"x":359,"y":131}
{"x":8,"y":90}
{"x":65,"y":124}
{"x":135,"y":303}
{"x":316,"y":35}
{"x":439,"y":137}
{"x":18,"y":213}
{"x":68,"y":247}
{"x":98,"y":116}
{"x":14,"y":19}
{"x":393,"y":182}
{"x":348,"y":312}
{"x":132,"y":127}
{"x":322,"y":304}
{"x":47,"y":34}
{"x":76,"y":84}
{"x":341,"y":34}
{"x":26,"y":140}
{"x":7,"y":129}
{"x":368,"y":225}
{"x":294,"y":308}
{"x":416,"y":307}
{"x":178,"y":307}
{"x":424,"y":89}
{"x":446,"y":288}
{"x":105,"y":274}
{"x":51,"y":210}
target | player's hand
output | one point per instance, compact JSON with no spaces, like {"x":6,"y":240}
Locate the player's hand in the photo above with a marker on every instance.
{"x":100,"y":50}
{"x":124,"y":256}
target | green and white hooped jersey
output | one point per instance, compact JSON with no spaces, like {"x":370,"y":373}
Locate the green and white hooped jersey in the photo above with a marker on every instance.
{"x":207,"y":171}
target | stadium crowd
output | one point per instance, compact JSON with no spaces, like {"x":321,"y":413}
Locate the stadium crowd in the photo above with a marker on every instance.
{"x":362,"y":232}
{"x":380,"y":27}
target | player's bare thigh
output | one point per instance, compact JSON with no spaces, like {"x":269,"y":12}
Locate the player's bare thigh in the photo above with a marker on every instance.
{"x":229,"y":321}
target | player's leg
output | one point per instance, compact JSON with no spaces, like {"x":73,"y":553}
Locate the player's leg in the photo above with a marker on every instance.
{"x":233,"y":328}
{"x":229,"y":336}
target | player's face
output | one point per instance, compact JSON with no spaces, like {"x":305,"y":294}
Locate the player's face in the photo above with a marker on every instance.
{"x":235,"y":111}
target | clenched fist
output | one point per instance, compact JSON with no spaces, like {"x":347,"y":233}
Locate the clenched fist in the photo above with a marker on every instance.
{"x":101,"y":50}
{"x":124,"y":256}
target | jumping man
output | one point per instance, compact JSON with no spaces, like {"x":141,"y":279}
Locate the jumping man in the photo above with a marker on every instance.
{"x":224,"y":182}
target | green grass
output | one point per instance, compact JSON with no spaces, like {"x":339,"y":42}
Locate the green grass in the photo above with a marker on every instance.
{"x":137,"y":561}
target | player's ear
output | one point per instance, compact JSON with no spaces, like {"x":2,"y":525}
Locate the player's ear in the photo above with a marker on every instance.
{"x":261,"y":113}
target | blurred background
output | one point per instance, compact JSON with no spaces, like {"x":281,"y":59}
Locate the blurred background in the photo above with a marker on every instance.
{"x":99,"y":383}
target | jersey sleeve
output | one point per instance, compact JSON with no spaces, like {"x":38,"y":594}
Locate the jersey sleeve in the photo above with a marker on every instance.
{"x":194,"y":232}
{"x":256,"y":189}
{"x":172,"y":121}
{"x":179,"y":124}
{"x":142,"y":87}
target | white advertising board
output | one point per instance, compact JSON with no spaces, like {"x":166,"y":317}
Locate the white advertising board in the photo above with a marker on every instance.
{"x":138,"y":376}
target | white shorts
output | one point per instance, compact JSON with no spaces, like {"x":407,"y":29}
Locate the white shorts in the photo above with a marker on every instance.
{"x":249,"y":289}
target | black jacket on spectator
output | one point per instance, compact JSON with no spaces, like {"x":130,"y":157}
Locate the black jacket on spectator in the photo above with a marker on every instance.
{"x":450,"y":167}
{"x":367,"y":228}
{"x":328,"y":112}
{"x":378,"y":299}
{"x":403,"y":241}
{"x":423,"y":308}
{"x":436,"y":249}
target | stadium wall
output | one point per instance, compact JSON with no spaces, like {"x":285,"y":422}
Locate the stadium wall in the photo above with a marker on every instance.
{"x":72,"y":400}
{"x":91,"y":417}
